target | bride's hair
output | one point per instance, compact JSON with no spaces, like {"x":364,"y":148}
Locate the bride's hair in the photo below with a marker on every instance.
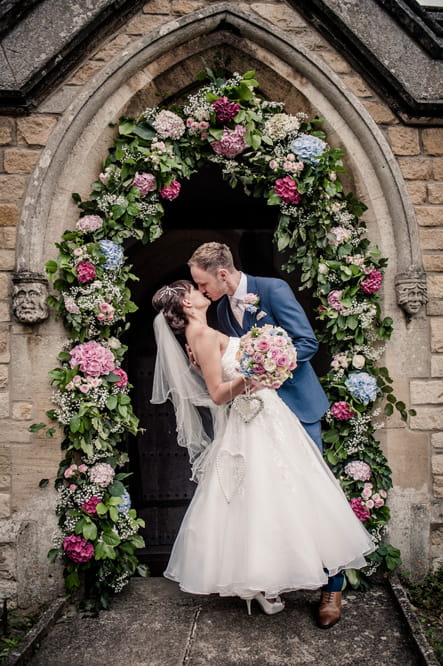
{"x":169,"y":300}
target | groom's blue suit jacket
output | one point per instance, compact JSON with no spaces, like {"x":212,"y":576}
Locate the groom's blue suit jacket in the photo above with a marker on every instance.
{"x":302,"y":393}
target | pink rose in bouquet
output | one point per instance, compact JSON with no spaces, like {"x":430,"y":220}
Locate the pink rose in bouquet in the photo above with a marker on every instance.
{"x":268,"y":355}
{"x":86,"y":271}
{"x":92,"y":358}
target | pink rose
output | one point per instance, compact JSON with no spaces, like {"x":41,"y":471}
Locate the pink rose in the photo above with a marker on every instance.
{"x":257,"y":357}
{"x":171,"y":191}
{"x":232,"y":142}
{"x":342,"y":411}
{"x":70,"y":471}
{"x":85,"y":271}
{"x":123,"y":377}
{"x":280,"y":341}
{"x":263,"y":345}
{"x":84,"y":388}
{"x":372,"y":283}
{"x":92,"y":358}
{"x":283,"y":360}
{"x":72,"y":487}
{"x":82,"y":468}
{"x":144,"y":182}
{"x":77,"y":548}
{"x":286,"y":189}
{"x":225,"y":110}
{"x":258,"y":369}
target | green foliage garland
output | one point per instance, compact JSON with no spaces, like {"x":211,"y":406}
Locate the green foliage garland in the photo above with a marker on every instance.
{"x":276,"y":156}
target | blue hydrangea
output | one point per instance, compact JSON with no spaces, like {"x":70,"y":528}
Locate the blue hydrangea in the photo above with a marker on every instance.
{"x":125,"y":504}
{"x":308,"y":148}
{"x":113,"y":253}
{"x":362,"y":386}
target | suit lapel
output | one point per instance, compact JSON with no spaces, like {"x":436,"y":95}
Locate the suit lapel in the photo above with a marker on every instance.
{"x":227,"y":318}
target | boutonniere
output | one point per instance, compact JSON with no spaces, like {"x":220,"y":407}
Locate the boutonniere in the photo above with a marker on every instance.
{"x":252,"y":303}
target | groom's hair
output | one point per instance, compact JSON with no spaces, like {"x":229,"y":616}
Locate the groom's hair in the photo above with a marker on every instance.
{"x":212,"y":256}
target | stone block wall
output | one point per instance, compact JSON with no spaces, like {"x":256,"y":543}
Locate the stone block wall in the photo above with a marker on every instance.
{"x":25,"y":458}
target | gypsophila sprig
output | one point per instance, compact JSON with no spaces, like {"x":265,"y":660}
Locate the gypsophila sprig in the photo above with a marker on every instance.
{"x":285,"y":159}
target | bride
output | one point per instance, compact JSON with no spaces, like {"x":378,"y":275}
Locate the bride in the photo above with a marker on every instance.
{"x":267,"y":516}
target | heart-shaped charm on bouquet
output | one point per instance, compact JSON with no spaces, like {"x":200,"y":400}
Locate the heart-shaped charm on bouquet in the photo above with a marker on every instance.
{"x":231,"y":468}
{"x":248,"y":406}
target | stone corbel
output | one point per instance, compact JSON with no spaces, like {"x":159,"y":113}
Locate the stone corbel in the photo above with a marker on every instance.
{"x":411,"y":290}
{"x":29,"y":294}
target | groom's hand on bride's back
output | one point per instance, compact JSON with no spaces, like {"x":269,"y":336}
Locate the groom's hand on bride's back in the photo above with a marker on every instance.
{"x":192,"y":357}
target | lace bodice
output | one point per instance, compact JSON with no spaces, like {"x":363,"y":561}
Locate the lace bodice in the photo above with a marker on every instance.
{"x":229,"y":361}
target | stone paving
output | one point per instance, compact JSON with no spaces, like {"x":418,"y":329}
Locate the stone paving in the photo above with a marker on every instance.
{"x":152,"y":623}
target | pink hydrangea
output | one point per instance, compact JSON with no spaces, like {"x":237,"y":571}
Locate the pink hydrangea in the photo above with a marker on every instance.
{"x":342,"y":411}
{"x":358,"y":470}
{"x":123,"y":377}
{"x":171,"y":191}
{"x":341,"y":235}
{"x":169,"y":125}
{"x":372,"y":283}
{"x":86,"y":271}
{"x":77,"y":548}
{"x":225,"y":110}
{"x":89,"y":223}
{"x":232,"y":142}
{"x":92,"y":358}
{"x":286,"y":189}
{"x":334,"y":299}
{"x":359,"y":510}
{"x":102,"y":474}
{"x":90,"y":506}
{"x":144,"y":182}
{"x":70,"y":305}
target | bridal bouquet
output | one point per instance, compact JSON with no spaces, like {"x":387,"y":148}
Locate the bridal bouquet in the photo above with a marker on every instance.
{"x":268,"y":355}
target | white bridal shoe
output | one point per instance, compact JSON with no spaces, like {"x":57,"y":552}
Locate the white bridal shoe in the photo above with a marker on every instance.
{"x":268,"y":607}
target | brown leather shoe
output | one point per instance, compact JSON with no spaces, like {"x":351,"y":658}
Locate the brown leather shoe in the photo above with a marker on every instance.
{"x":329,"y":611}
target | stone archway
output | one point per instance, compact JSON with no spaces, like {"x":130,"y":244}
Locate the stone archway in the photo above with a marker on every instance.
{"x":167,"y":60}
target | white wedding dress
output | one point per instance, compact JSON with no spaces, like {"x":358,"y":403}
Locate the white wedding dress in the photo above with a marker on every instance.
{"x":267,"y":515}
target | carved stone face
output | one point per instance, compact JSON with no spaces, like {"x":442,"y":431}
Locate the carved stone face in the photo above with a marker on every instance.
{"x":411,"y":295}
{"x":29,"y":302}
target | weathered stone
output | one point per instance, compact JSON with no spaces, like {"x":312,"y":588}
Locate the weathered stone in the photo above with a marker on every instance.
{"x":5,"y":482}
{"x":433,"y":140}
{"x":433,"y":262}
{"x":34,"y":130}
{"x":8,"y":237}
{"x":437,"y":334}
{"x":417,"y":191}
{"x":437,"y":440}
{"x":435,"y":193}
{"x":5,"y":505}
{"x":437,"y":540}
{"x":434,"y":307}
{"x":429,"y":216}
{"x":437,"y":463}
{"x":9,"y":214}
{"x":143,"y":24}
{"x":404,"y":140}
{"x":4,"y":343}
{"x":425,"y":391}
{"x":18,"y":160}
{"x":336,"y":62}
{"x":59,"y":101}
{"x":415,"y":168}
{"x":357,"y":86}
{"x":7,"y":260}
{"x":381,"y":113}
{"x":8,"y":557}
{"x":6,"y":131}
{"x":427,"y":418}
{"x":278,"y":14}
{"x":14,"y":431}
{"x":5,"y":285}
{"x":12,"y":188}
{"x":5,"y":312}
{"x":437,"y":365}
{"x":4,"y":405}
{"x":435,"y":285}
{"x":22,"y":411}
{"x":4,"y":375}
{"x":85,"y":73}
{"x":113,"y":47}
{"x":186,"y":6}
{"x":157,"y":7}
{"x":437,"y":164}
{"x":431,"y":239}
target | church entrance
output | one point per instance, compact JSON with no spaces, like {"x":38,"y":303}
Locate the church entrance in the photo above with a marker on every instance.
{"x":208,"y":209}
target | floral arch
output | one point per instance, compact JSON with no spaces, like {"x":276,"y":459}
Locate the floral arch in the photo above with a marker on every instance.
{"x":284,"y":159}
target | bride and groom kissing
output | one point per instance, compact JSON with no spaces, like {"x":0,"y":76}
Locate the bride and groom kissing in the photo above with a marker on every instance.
{"x":267,"y":516}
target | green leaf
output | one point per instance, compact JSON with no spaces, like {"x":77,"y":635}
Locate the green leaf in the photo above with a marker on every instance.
{"x":43,"y":483}
{"x":75,"y":423}
{"x":101,"y":509}
{"x":111,"y":402}
{"x":90,"y":531}
{"x":35,"y":427}
{"x":113,"y":514}
{"x":73,"y":581}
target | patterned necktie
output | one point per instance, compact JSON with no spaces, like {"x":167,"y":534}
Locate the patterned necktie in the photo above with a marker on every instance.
{"x":237,"y":307}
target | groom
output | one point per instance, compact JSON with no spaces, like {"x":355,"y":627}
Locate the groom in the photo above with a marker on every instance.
{"x":212,"y":269}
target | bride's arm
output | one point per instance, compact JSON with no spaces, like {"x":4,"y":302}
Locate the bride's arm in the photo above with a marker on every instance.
{"x":206,"y":349}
